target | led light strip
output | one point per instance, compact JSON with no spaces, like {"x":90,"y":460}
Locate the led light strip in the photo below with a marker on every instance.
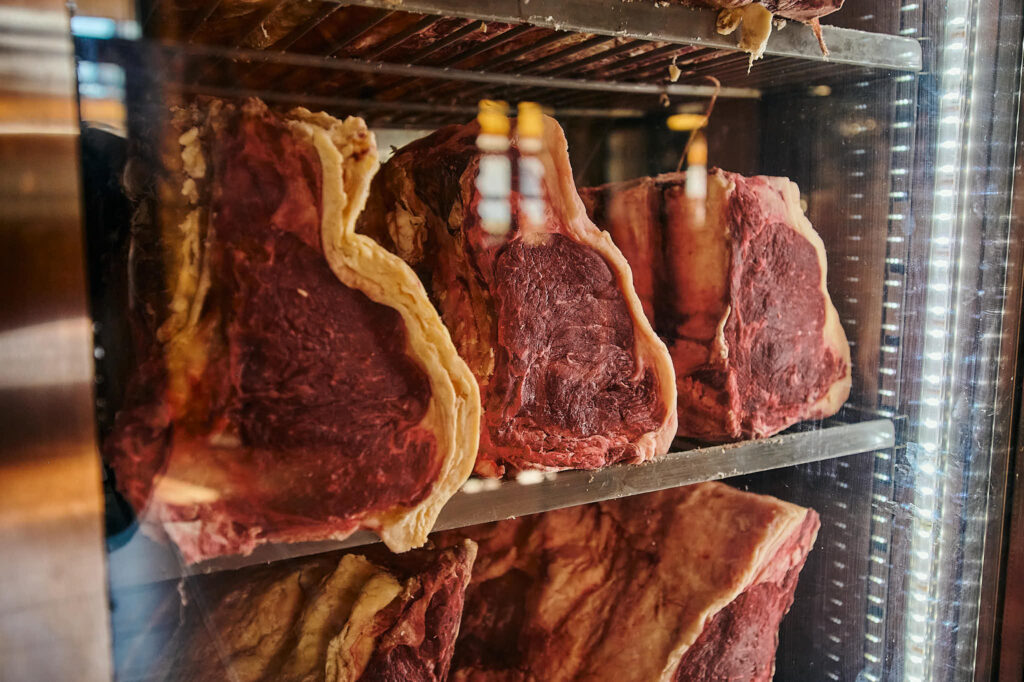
{"x":926,"y":570}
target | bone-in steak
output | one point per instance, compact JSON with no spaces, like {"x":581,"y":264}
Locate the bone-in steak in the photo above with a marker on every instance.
{"x":299,"y":384}
{"x":571,"y":374}
{"x":756,"y":342}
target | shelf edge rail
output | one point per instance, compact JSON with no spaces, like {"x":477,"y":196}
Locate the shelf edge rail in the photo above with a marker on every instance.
{"x":672,"y":23}
{"x":483,"y":500}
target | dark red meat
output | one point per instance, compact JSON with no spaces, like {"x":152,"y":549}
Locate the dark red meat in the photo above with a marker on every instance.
{"x":748,"y":627}
{"x":777,"y":319}
{"x":755,"y":339}
{"x":570,"y":374}
{"x":292,"y":408}
{"x":685,"y":584}
{"x":567,"y":369}
{"x":315,"y":366}
{"x":420,"y":643}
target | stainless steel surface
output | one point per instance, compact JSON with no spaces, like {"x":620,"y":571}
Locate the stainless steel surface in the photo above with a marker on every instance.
{"x":327,"y":102}
{"x":53,"y":599}
{"x":675,"y":24}
{"x":462,"y":75}
{"x":1010,"y":640}
{"x":998,"y":384}
{"x":960,"y":347}
{"x":141,"y":560}
{"x":584,"y":56}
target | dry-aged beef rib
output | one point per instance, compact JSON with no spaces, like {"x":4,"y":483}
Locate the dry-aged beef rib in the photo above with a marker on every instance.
{"x":685,"y":584}
{"x":756,"y":342}
{"x":299,"y":384}
{"x":571,"y":374}
{"x":328,"y":618}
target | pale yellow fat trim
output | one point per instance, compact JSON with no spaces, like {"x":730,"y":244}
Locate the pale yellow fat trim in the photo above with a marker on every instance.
{"x":719,"y":348}
{"x":649,"y":347}
{"x":334,"y":602}
{"x":756,"y":29}
{"x":350,"y":651}
{"x":407,"y":230}
{"x":184,"y":357}
{"x":835,"y":336}
{"x":186,"y":285}
{"x":349,"y":159}
{"x":193,"y":161}
{"x":787,"y":520}
{"x":756,"y":23}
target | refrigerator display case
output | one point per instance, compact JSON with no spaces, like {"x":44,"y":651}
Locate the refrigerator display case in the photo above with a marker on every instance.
{"x":903,"y":139}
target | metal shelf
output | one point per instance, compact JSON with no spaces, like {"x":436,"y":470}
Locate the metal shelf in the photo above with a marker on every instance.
{"x":425,"y":63}
{"x":141,"y":560}
{"x":655,"y":21}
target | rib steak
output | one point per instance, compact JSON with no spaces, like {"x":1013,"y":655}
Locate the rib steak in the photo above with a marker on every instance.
{"x":298,"y":384}
{"x":570,"y":372}
{"x":756,"y":342}
{"x":684,"y":584}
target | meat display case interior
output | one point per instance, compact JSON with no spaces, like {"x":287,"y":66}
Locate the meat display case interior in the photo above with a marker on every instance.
{"x":276,"y":347}
{"x":369,"y":616}
{"x":425,"y":64}
{"x":376,"y":52}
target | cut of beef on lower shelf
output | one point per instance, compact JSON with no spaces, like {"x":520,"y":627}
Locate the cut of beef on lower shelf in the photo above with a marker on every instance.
{"x":684,"y":584}
{"x":741,"y":299}
{"x":295,"y":383}
{"x":571,"y":374}
{"x":329,"y":618}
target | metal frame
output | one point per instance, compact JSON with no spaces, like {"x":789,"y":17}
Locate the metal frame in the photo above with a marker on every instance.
{"x":972,"y":251}
{"x":672,"y":23}
{"x":1000,"y":337}
{"x":626,"y":49}
{"x":1005,"y":625}
{"x":363,"y":66}
{"x":53,"y":604}
{"x":1011,"y":633}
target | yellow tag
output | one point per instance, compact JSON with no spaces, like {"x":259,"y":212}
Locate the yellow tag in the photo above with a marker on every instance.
{"x":687,"y":121}
{"x":493,"y":117}
{"x":531,"y":120}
